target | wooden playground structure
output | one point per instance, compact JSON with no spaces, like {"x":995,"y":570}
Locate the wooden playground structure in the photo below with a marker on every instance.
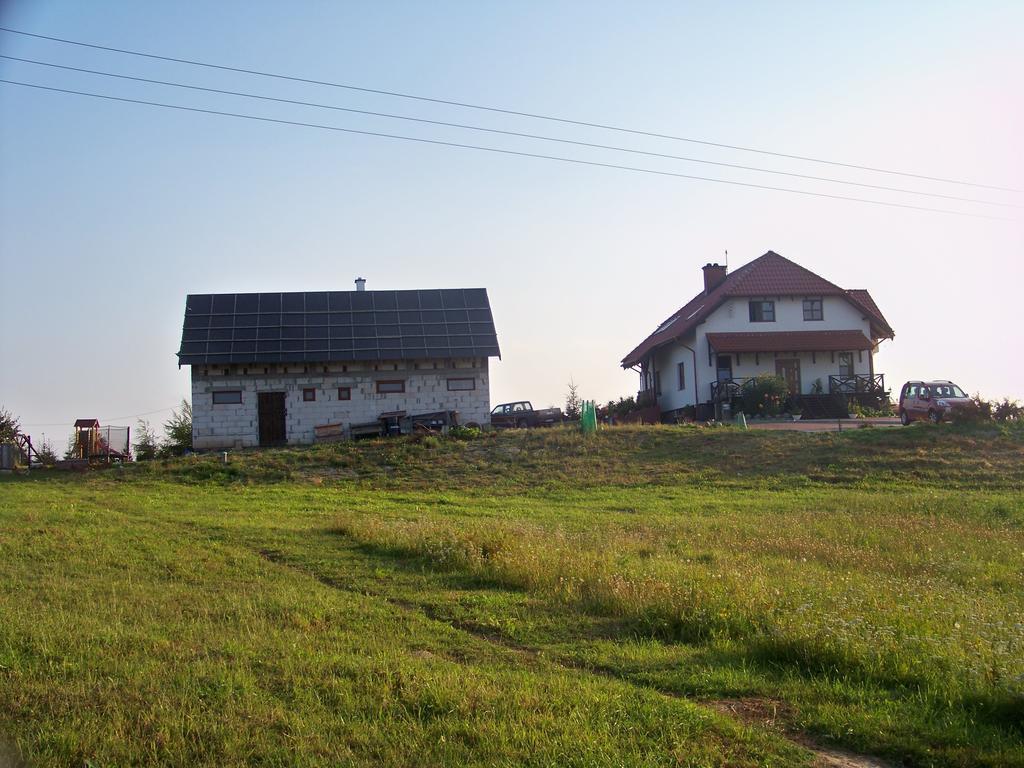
{"x":91,"y":443}
{"x":95,"y":443}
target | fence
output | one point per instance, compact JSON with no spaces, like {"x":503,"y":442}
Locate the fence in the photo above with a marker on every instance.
{"x":103,"y":443}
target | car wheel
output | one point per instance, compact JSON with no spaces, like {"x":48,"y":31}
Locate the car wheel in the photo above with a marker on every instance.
{"x":904,"y":418}
{"x":934,"y":416}
{"x":521,"y":424}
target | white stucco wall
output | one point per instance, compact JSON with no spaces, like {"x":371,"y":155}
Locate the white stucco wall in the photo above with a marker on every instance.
{"x":426,"y":390}
{"x":734,"y":317}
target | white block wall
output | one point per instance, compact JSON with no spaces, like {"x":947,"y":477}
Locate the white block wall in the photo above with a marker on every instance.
{"x":426,"y":389}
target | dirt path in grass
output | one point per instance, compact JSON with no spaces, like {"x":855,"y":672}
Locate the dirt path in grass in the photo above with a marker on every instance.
{"x":773,"y":715}
{"x":762,"y":713}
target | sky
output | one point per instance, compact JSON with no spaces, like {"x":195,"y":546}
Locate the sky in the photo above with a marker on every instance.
{"x":110,"y":213}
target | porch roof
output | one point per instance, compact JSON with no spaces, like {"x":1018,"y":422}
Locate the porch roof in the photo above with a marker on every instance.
{"x":789,"y":341}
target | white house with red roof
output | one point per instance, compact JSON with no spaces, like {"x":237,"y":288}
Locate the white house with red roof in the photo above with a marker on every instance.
{"x":769,"y":316}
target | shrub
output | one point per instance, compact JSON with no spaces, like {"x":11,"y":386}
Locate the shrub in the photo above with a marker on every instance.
{"x":464,"y":433}
{"x":617,"y":409}
{"x":1008,"y":410}
{"x":46,"y":455}
{"x":145,"y":445}
{"x":179,"y":430}
{"x":764,"y":394}
{"x":977,"y":411}
{"x":856,"y":409}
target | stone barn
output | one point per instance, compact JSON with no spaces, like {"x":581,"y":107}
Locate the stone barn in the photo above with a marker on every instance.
{"x":268,"y":368}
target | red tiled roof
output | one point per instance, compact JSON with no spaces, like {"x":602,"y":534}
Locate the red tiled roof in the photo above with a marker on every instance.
{"x":789,"y":341}
{"x":768,"y":275}
{"x":863,"y":299}
{"x":773,"y":275}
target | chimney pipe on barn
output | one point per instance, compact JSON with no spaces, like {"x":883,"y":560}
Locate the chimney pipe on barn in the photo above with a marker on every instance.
{"x":360,"y":284}
{"x":714,"y":276}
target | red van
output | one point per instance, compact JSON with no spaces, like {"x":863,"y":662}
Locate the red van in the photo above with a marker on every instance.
{"x":932,"y":400}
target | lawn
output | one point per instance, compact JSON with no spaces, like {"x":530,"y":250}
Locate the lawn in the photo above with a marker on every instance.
{"x":645,"y":596}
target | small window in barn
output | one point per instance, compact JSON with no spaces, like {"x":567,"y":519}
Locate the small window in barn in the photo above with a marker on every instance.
{"x":812,"y":309}
{"x":682,"y":375}
{"x":390,"y":387}
{"x":227,"y":397}
{"x":762,"y":311}
{"x":344,"y":393}
{"x":459,"y":385}
{"x":308,"y":395}
{"x":657,"y":383}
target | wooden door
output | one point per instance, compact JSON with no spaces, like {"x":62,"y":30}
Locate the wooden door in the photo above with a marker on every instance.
{"x":272,"y":418}
{"x":723,"y":371}
{"x":789,"y":369}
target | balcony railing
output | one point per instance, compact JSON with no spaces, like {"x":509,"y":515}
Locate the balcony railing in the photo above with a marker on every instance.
{"x":646,"y":398}
{"x":727,"y":389}
{"x":858,"y":384}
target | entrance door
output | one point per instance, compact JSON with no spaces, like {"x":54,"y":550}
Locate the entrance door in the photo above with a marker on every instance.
{"x":789,"y":369}
{"x":271,"y":416}
{"x":724,"y":370}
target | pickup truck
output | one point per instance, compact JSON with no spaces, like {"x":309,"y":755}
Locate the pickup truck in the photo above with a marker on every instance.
{"x":522,"y":415}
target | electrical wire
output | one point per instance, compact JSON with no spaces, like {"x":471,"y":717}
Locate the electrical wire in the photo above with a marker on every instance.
{"x":504,"y":132}
{"x":496,"y":150}
{"x":500,"y":110}
{"x":108,"y":418}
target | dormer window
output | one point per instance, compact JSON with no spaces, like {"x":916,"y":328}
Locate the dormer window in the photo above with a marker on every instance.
{"x":762,"y":311}
{"x":812,"y":309}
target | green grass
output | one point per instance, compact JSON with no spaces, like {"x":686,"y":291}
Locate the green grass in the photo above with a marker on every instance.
{"x":534,"y":598}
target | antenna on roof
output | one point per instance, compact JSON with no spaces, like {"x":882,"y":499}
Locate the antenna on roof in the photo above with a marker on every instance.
{"x":726,"y":258}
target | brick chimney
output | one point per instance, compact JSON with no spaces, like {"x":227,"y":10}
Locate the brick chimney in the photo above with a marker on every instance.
{"x":714,"y":276}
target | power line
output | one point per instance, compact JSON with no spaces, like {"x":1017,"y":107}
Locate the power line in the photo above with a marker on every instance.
{"x":500,"y":110}
{"x":505,"y":132}
{"x":107,"y":418}
{"x":497,"y":150}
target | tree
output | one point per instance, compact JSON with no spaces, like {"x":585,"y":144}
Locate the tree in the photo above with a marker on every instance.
{"x":9,"y":426}
{"x":46,"y":455}
{"x":179,"y":429}
{"x":573,"y":403}
{"x":145,"y":441}
{"x":71,"y":452}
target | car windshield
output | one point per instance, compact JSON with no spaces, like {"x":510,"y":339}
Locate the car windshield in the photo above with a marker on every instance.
{"x":947,"y":390}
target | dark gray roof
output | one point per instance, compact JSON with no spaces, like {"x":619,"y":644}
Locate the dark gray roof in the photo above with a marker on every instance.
{"x":329,"y":326}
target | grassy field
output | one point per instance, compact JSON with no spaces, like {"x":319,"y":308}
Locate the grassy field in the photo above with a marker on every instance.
{"x":648,"y":596}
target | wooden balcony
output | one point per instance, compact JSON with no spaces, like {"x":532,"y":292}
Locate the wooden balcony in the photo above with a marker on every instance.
{"x":858,"y":384}
{"x":727,"y":389}
{"x":646,"y":398}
